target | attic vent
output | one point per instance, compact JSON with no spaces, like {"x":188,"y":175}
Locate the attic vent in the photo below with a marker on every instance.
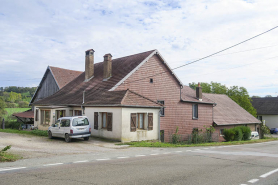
{"x":151,"y":80}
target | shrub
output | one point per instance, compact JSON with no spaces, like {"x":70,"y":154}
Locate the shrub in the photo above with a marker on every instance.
{"x":238,"y":134}
{"x":229,"y":134}
{"x":176,"y":136}
{"x":246,"y":131}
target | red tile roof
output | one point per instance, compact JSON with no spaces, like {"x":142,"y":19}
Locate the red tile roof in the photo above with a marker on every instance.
{"x":228,"y":112}
{"x":26,"y":114}
{"x":96,"y":89}
{"x":63,"y":76}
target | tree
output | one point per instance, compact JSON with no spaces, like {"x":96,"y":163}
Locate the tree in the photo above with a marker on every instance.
{"x":255,"y":96}
{"x":238,"y":94}
{"x":2,"y":108}
{"x":268,"y":96}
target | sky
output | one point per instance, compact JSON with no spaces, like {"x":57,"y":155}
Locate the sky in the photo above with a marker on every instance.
{"x":35,"y":34}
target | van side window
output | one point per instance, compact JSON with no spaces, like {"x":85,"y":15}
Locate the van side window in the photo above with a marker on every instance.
{"x":65,"y":123}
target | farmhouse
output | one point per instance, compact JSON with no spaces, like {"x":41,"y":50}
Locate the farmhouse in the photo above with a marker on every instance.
{"x":267,"y":110}
{"x":132,"y":98}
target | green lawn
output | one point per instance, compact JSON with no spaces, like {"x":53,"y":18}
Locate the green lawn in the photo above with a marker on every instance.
{"x":10,"y":111}
{"x":165,"y":145}
{"x":26,"y":132}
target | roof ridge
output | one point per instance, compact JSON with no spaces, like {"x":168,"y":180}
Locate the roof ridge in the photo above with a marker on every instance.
{"x":66,"y":69}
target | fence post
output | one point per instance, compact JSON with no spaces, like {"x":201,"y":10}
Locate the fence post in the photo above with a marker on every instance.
{"x":3,"y":124}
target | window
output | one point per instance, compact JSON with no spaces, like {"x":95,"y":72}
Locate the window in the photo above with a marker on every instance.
{"x":65,"y":123}
{"x":60,"y":114}
{"x":140,"y":121}
{"x":221,"y":132}
{"x":260,"y":118}
{"x":195,"y":111}
{"x":151,"y":80}
{"x":37,"y":115}
{"x":162,"y":108}
{"x":106,"y":120}
{"x":45,"y":117}
{"x":78,"y":112}
{"x":80,"y":122}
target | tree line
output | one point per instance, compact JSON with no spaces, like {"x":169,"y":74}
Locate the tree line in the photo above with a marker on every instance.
{"x":14,"y":96}
{"x":238,"y":94}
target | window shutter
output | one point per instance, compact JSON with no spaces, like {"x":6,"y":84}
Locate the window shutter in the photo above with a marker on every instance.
{"x":109,"y":121}
{"x":133,"y":122}
{"x":150,"y":121}
{"x":96,"y":121}
{"x":37,"y":114}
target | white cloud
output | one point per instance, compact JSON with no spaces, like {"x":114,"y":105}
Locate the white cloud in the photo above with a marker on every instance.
{"x":58,"y":32}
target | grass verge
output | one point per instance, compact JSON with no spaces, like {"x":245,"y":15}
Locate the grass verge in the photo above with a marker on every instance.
{"x":166,"y":145}
{"x":25,"y":132}
{"x":8,"y":157}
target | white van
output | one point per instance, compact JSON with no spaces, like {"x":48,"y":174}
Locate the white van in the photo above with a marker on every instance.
{"x":70,"y":127}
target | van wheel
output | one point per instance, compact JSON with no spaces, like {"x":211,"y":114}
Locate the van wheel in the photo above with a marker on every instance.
{"x":86,"y":138}
{"x":50,"y":135}
{"x":67,"y":138}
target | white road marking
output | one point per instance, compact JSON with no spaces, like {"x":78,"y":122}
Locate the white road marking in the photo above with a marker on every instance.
{"x":10,"y":168}
{"x":212,"y":147}
{"x":53,"y":164}
{"x":178,"y":151}
{"x":269,"y":173}
{"x":197,"y":149}
{"x":122,"y":157}
{"x":154,"y":154}
{"x":243,"y":184}
{"x":80,"y":161}
{"x":140,"y":155}
{"x":103,"y":159}
{"x":167,"y":153}
{"x":205,"y":148}
{"x":253,"y":180}
{"x":188,"y":150}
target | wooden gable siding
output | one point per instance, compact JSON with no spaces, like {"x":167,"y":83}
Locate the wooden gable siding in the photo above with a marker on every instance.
{"x":165,"y":87}
{"x":47,"y":88}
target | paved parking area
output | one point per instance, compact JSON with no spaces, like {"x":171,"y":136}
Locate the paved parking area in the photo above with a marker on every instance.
{"x":36,"y":147}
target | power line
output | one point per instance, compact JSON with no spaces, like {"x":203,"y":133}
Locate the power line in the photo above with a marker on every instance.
{"x":240,"y":51}
{"x":237,"y":66}
{"x":206,"y":56}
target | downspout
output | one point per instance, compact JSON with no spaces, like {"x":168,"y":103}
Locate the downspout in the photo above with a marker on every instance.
{"x":180,"y":92}
{"x":83,"y":108}
{"x":159,"y":139}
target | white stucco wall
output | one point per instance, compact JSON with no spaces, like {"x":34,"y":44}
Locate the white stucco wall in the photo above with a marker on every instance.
{"x":115,"y":134}
{"x":270,"y":120}
{"x":52,"y":115}
{"x":139,"y":135}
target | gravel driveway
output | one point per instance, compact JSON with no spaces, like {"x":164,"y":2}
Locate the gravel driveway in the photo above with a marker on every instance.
{"x":36,"y":147}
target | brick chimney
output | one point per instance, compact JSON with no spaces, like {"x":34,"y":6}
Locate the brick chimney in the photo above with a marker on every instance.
{"x":199,"y":92}
{"x":89,"y":64}
{"x":107,"y":66}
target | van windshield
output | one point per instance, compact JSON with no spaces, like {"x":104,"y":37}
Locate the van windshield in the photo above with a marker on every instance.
{"x":80,"y":122}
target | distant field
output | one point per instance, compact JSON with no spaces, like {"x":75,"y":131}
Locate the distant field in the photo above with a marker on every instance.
{"x":10,"y":111}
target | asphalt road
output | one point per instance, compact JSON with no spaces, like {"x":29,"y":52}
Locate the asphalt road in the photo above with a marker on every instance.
{"x":243,"y":164}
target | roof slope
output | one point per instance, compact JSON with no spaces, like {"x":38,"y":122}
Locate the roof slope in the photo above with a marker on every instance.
{"x":189,"y":95}
{"x":72,"y":93}
{"x":26,"y":114}
{"x":228,"y":112}
{"x":266,"y":106}
{"x":63,"y":76}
